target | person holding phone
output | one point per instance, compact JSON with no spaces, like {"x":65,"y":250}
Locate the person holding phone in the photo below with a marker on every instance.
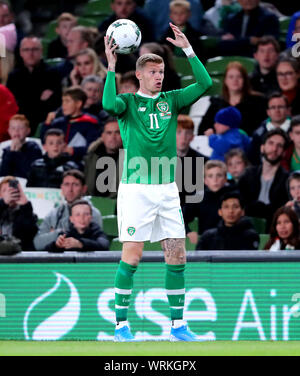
{"x":17,"y":219}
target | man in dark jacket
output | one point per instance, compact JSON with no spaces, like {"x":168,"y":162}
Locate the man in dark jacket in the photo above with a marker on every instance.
{"x":234,"y":232}
{"x":35,"y":85}
{"x":244,"y":29}
{"x":16,"y":214}
{"x":263,"y":187}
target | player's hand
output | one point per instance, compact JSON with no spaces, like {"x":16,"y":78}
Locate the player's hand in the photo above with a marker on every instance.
{"x":180,"y":40}
{"x":110,"y":53}
{"x":193,"y":236}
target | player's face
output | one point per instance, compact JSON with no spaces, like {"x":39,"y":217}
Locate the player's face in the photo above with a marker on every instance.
{"x":54,"y":145}
{"x":284,"y":227}
{"x":215,"y":179}
{"x":72,"y":189}
{"x":151,"y":78}
{"x":231,"y":211}
{"x":81,"y":217}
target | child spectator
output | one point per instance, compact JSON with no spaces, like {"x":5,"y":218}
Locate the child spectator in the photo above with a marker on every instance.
{"x":16,"y":214}
{"x":294,"y":192}
{"x":48,"y":171}
{"x":128,"y":83}
{"x":206,"y":211}
{"x":236,"y":162}
{"x":8,"y":108}
{"x":58,"y":47}
{"x":80,"y":129}
{"x":278,"y":117}
{"x":18,"y":157}
{"x":291,"y":158}
{"x":284,"y":232}
{"x":228,"y":135}
{"x":83,"y":235}
{"x":234,"y":232}
{"x":180,"y":12}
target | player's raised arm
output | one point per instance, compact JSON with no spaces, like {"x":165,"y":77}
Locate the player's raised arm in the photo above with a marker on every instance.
{"x":111,"y":103}
{"x":203,"y":81}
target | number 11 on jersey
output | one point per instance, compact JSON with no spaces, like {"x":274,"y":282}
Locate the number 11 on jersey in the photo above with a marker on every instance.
{"x":153,"y":116}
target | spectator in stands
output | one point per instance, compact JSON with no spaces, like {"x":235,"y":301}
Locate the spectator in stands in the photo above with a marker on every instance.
{"x":284,"y":232}
{"x":263,"y":79}
{"x":58,"y":47}
{"x":171,"y":78}
{"x":228,"y":136}
{"x":128,"y":9}
{"x":86,"y":64}
{"x":18,"y":157}
{"x":294,"y":192}
{"x":184,"y":136}
{"x":83,"y":234}
{"x":8,"y":108}
{"x":180,"y":11}
{"x":263,"y":187}
{"x":16,"y":214}
{"x":206,"y":211}
{"x":7,"y":19}
{"x":244,"y":29}
{"x":278,"y":117}
{"x":221,"y":10}
{"x":128,"y":83}
{"x":7,"y":65}
{"x":236,"y":92}
{"x":81,"y":129}
{"x":158,"y":12}
{"x":288,"y":74}
{"x":57,"y":221}
{"x":48,"y":171}
{"x":236,"y":163}
{"x":34,"y":84}
{"x":291,"y":158}
{"x":234,"y":231}
{"x":104,"y":180}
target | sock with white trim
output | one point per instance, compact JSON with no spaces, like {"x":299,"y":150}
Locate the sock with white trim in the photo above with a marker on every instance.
{"x":175,"y":290}
{"x":123,"y":290}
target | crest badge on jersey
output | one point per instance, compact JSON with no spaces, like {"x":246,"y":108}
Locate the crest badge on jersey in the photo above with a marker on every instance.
{"x":163,"y":106}
{"x":131,"y":231}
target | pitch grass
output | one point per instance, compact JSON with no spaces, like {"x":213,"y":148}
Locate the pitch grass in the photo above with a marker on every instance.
{"x":82,"y":348}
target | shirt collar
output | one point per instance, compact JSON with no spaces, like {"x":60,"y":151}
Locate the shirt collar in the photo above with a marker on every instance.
{"x":148,"y":96}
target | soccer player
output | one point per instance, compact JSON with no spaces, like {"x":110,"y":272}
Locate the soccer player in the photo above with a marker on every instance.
{"x":148,"y":199}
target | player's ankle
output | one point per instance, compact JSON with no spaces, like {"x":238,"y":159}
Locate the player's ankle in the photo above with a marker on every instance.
{"x":121,"y":324}
{"x":177,"y":323}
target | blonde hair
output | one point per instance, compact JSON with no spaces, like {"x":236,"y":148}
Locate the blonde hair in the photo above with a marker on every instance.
{"x":67,"y":17}
{"x":22,"y":118}
{"x":148,"y":58}
{"x":213,"y":164}
{"x":7,"y":64}
{"x":99,"y":69}
{"x":180,"y":3}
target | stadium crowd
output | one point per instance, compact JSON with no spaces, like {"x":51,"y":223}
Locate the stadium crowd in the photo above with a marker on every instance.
{"x":246,"y":128}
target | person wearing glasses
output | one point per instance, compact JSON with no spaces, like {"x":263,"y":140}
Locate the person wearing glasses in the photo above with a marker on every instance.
{"x":278,"y":117}
{"x":36,"y":77}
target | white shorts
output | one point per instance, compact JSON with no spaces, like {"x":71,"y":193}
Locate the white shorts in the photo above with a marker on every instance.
{"x":149,"y":212}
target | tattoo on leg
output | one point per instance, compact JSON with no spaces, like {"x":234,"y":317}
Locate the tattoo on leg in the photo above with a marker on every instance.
{"x":174,"y":251}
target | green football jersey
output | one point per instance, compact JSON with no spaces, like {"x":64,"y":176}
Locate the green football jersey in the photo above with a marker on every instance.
{"x":148,"y":127}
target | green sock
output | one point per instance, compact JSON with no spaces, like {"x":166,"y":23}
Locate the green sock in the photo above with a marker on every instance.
{"x":123,"y":289}
{"x":175,"y":290}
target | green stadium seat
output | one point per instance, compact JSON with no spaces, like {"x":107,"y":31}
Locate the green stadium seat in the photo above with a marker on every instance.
{"x":106,"y":206}
{"x":284,"y":23}
{"x":263,"y":238}
{"x":115,"y":245}
{"x":182,"y":66}
{"x":194,"y":225}
{"x":110,"y":226}
{"x":259,"y":224}
{"x":38,"y":131}
{"x":216,"y":88}
{"x":217,"y":65}
{"x":209,"y":42}
{"x":55,"y":61}
{"x":97,"y":10}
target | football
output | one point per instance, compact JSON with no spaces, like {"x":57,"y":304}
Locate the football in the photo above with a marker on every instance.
{"x":126,"y":34}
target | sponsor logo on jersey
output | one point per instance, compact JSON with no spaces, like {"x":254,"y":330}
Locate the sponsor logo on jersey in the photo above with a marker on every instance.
{"x":163,"y":106}
{"x":131,"y":231}
{"x":142,"y":109}
{"x":165,"y":114}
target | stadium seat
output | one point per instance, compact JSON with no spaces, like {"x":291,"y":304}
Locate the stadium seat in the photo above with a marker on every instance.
{"x":55,"y":61}
{"x":259,"y":224}
{"x":284,"y":23}
{"x":216,"y":66}
{"x":106,"y":206}
{"x":97,"y":10}
{"x":182,"y":66}
{"x":110,"y":226}
{"x":115,"y":245}
{"x":263,"y":238}
{"x":216,"y":88}
{"x":194,"y":225}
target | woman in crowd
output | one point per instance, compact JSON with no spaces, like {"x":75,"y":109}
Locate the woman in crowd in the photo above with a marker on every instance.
{"x":7,"y":64}
{"x":171,"y":80}
{"x":284,"y":232}
{"x":86,"y":64}
{"x":288,"y":74}
{"x":237,"y":92}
